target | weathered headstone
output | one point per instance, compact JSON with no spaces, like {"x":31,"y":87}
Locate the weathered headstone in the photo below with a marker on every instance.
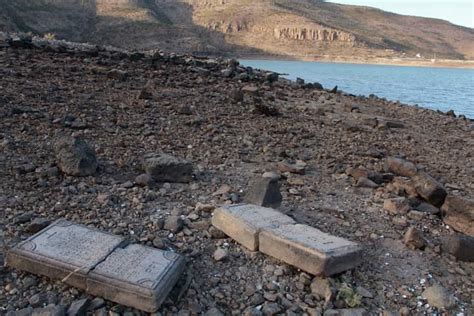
{"x":243,"y":222}
{"x":100,"y":263}
{"x":63,"y":251}
{"x":136,"y":276}
{"x":310,"y":249}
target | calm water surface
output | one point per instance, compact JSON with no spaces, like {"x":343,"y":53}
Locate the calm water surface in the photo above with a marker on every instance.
{"x":436,"y":88}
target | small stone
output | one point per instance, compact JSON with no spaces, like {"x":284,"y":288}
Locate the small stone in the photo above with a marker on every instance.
{"x":299,"y":167}
{"x":220,"y":254}
{"x":173,"y":224}
{"x":416,"y":215}
{"x":364,"y":292}
{"x":413,"y":239}
{"x":207,"y":208}
{"x":38,"y":300}
{"x":264,"y":192}
{"x":271,"y":175}
{"x":78,"y":308}
{"x":397,"y":206}
{"x":159,"y":243}
{"x":364,"y":182}
{"x":322,"y":288}
{"x":214,"y":312}
{"x":117,"y":74}
{"x":96,"y":303}
{"x":51,"y":310}
{"x":271,"y":308}
{"x":437,"y":296}
{"x":144,"y":180}
{"x":37,"y":224}
{"x":427,"y":208}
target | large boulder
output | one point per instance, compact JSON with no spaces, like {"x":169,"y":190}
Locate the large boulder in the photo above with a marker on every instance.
{"x":166,"y":168}
{"x":459,"y":214}
{"x":75,"y":157}
{"x":429,"y":189}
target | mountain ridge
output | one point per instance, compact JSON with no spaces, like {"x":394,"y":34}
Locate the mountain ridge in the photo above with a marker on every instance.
{"x":288,"y":28}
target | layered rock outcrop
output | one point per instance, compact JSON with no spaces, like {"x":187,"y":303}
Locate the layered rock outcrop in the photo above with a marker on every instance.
{"x":313,"y":34}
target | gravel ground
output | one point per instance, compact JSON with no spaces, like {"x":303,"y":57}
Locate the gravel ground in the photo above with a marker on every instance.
{"x":195,"y":110}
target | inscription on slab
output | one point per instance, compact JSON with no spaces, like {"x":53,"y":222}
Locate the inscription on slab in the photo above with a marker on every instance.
{"x":136,"y":276}
{"x":63,"y":251}
{"x":243,"y":222}
{"x":310,"y":249}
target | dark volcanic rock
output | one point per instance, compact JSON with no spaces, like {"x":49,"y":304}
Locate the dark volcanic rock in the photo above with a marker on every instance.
{"x":264,"y":192}
{"x":75,"y":157}
{"x":166,"y":168}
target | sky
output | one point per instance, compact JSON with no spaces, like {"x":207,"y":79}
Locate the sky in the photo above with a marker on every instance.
{"x":460,"y":12}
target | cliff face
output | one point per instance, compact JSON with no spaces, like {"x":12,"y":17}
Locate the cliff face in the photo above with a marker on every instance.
{"x":311,"y":34}
{"x":284,"y":27}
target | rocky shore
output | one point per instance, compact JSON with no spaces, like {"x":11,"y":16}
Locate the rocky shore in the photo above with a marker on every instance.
{"x":145,"y":145}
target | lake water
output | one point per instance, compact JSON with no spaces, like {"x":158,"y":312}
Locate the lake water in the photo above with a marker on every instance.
{"x":436,"y":88}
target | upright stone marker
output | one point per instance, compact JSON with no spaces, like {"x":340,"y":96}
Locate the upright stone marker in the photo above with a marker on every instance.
{"x":243,"y":222}
{"x":136,"y":276}
{"x":63,"y":251}
{"x":310,"y":249}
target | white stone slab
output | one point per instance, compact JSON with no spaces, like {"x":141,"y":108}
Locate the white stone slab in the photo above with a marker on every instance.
{"x":63,"y":251}
{"x":136,"y":276}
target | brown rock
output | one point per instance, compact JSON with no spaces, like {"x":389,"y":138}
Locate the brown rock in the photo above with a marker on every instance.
{"x":459,"y":214}
{"x":400,"y":167}
{"x":460,"y":246}
{"x":322,"y":288}
{"x":299,"y":167}
{"x":413,"y":239}
{"x":397,"y":206}
{"x":429,"y":189}
{"x":438,"y":297}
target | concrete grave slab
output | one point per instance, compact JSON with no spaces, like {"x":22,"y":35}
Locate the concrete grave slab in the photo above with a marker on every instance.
{"x":63,"y":251}
{"x":310,"y":249}
{"x":136,"y":276}
{"x":243,"y":222}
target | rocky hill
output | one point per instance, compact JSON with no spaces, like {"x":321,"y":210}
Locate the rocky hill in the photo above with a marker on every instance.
{"x":303,"y":28}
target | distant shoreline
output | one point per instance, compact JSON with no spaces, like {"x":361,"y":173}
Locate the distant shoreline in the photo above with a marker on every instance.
{"x":406,"y":62}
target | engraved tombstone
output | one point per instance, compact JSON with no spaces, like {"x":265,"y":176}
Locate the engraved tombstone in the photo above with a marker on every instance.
{"x":63,"y":251}
{"x":136,"y":276}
